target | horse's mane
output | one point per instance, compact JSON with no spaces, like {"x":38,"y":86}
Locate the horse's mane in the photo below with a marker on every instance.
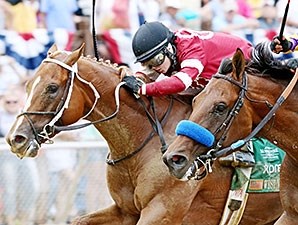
{"x":263,"y":63}
{"x":121,"y":70}
{"x":225,"y":66}
{"x":100,"y":61}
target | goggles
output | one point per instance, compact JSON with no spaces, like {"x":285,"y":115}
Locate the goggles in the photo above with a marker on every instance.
{"x":155,"y":61}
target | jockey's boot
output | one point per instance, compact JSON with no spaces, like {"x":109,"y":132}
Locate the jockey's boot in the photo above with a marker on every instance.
{"x":242,"y":158}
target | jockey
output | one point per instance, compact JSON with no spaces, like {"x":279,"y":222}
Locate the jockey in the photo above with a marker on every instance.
{"x":181,"y":62}
{"x":185,"y":58}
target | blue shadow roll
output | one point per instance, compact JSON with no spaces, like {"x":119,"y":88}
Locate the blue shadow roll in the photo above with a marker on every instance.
{"x":195,"y":132}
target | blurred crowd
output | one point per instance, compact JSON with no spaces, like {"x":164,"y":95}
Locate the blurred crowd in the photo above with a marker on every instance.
{"x":58,"y":185}
{"x":35,"y":191}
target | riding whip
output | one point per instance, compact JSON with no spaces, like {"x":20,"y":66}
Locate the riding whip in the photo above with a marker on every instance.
{"x":94,"y":31}
{"x":284,"y":19}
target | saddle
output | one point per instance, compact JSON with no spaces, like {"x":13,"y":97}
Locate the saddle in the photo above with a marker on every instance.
{"x":261,"y":178}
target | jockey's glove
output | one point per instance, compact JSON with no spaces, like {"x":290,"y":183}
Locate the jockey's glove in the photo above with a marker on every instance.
{"x":292,"y":64}
{"x":285,"y":44}
{"x":133,"y":84}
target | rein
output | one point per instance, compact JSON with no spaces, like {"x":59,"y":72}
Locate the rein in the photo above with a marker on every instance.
{"x":79,"y":126}
{"x":271,"y":113}
{"x":157,"y":128}
{"x":50,"y":127}
{"x":196,"y":172}
{"x":215,"y":153}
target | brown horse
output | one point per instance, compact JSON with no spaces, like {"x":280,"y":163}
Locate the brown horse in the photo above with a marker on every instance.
{"x":266,"y":80}
{"x":143,"y":190}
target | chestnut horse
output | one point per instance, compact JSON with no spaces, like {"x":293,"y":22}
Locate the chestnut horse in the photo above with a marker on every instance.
{"x":143,"y":190}
{"x":266,"y":78}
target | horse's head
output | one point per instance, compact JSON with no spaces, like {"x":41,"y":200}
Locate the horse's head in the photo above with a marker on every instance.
{"x":216,"y":108}
{"x":48,"y":100}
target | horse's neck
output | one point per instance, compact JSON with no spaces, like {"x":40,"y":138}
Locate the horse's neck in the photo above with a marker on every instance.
{"x":131,"y":127}
{"x":105,"y":78}
{"x":282,"y":128}
{"x":99,"y":78}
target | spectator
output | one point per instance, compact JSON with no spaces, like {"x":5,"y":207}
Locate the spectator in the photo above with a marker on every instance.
{"x":169,"y":16}
{"x":256,"y":6}
{"x":217,"y":7}
{"x":268,"y":24}
{"x":5,"y":15}
{"x":83,"y":29}
{"x":268,"y":19}
{"x":59,"y":15}
{"x":206,"y":14}
{"x":234,"y":23}
{"x":244,"y":8}
{"x":126,"y":14}
{"x":10,"y":73}
{"x":117,"y":22}
{"x":25,"y":9}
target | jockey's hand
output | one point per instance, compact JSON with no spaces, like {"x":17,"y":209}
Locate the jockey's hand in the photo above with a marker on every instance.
{"x":278,"y":45}
{"x":292,"y":64}
{"x":133,"y":84}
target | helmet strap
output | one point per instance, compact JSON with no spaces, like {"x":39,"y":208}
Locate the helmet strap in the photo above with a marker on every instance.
{"x":170,"y":51}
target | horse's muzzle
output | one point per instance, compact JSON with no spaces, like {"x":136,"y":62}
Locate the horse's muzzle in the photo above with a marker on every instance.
{"x":22,"y":146}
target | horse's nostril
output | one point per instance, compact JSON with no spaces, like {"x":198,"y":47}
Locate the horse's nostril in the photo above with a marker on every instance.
{"x":178,"y":159}
{"x":19,"y":139}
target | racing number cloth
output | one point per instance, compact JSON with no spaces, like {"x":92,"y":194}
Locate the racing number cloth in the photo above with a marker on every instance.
{"x":265,"y":174}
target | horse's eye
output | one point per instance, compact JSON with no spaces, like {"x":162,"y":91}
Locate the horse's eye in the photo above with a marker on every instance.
{"x":52,"y":88}
{"x":220,"y":108}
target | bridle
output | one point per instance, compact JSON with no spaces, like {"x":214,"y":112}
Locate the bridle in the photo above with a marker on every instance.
{"x":206,"y":160}
{"x":225,"y":126}
{"x":195,"y":171}
{"x":50,"y":128}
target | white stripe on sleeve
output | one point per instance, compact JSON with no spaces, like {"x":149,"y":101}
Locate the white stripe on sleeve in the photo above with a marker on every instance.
{"x":185,"y":78}
{"x":195,"y":63}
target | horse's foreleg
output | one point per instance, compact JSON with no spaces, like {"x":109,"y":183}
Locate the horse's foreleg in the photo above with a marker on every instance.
{"x":109,"y":216}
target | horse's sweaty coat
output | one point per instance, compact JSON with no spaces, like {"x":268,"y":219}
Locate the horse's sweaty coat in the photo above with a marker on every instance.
{"x":143,"y":191}
{"x":266,"y":80}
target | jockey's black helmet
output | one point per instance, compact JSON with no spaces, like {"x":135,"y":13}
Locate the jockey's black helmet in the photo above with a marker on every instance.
{"x":150,"y":39}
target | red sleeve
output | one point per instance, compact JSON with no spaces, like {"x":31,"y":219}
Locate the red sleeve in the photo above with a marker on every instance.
{"x":166,"y":86}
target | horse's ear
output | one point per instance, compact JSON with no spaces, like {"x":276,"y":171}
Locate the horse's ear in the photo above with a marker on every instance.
{"x":52,"y":49}
{"x":75,"y":55}
{"x":238,"y":63}
{"x":123,"y":71}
